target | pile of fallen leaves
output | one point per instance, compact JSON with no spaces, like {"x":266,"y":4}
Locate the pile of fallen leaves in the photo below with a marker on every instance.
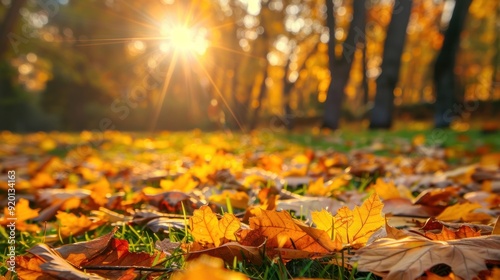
{"x":222,"y":201}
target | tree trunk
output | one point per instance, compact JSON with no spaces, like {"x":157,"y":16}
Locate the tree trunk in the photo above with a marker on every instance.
{"x":260,"y":98}
{"x":340,"y":67}
{"x":8,"y":23}
{"x":444,"y":77}
{"x":391,"y":60}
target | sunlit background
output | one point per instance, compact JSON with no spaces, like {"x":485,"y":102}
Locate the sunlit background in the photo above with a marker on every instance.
{"x":172,"y":64}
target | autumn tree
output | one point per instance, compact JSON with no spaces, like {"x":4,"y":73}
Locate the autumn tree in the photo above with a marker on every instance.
{"x":381,"y":116}
{"x":340,"y":67}
{"x":444,"y":77}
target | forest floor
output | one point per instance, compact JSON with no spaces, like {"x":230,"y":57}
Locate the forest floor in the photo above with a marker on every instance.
{"x":401,"y":204}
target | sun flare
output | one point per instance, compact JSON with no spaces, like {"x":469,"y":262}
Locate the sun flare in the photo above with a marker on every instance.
{"x":184,"y":39}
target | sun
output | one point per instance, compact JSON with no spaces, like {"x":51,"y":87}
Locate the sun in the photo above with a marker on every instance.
{"x":184,"y":39}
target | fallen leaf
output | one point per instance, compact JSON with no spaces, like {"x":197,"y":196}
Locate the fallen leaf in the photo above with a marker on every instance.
{"x":281,"y":231}
{"x":207,"y":268}
{"x":229,"y":251}
{"x":237,"y":199}
{"x":458,"y":211}
{"x":408,"y":258}
{"x":355,"y":227}
{"x":52,"y":264}
{"x":386,"y":190}
{"x":22,"y":213}
{"x":72,"y":225}
{"x":447,"y":234}
{"x":205,"y":227}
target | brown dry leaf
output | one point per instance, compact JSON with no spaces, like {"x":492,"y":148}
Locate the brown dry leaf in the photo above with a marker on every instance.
{"x":436,"y":197}
{"x":229,"y":251}
{"x":117,"y":254}
{"x":458,"y":211}
{"x":79,"y":252}
{"x":408,"y":258}
{"x":52,"y":263}
{"x":205,"y":227}
{"x":386,"y":190}
{"x":355,"y":227}
{"x":207,"y":268}
{"x":23,"y":213}
{"x":282,"y":231}
{"x":447,"y":234}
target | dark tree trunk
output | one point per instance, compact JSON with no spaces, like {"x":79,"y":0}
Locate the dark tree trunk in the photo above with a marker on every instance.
{"x":391,"y":60}
{"x":444,"y":77}
{"x":340,"y":67}
{"x":260,"y":98}
{"x":8,"y":23}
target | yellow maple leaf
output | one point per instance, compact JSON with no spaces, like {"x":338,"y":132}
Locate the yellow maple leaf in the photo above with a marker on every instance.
{"x":229,"y":225}
{"x":207,"y":268}
{"x":457,"y":211}
{"x":324,"y":221}
{"x":205,"y":227}
{"x":352,"y":227}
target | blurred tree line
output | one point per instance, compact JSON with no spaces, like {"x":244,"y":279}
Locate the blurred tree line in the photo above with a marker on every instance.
{"x":126,"y":64}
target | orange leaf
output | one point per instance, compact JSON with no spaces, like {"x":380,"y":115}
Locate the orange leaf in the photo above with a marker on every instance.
{"x":386,"y":190}
{"x":457,"y":211}
{"x":447,"y":234}
{"x":229,"y":225}
{"x":22,"y":213}
{"x":71,"y":225}
{"x":281,"y":231}
{"x":237,"y":199}
{"x":206,"y":264}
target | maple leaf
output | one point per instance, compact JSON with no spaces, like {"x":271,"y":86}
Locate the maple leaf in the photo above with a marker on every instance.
{"x":207,"y":267}
{"x":282,"y":231}
{"x":206,"y":228}
{"x":457,"y":211}
{"x":409,"y":257}
{"x":353,"y":227}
